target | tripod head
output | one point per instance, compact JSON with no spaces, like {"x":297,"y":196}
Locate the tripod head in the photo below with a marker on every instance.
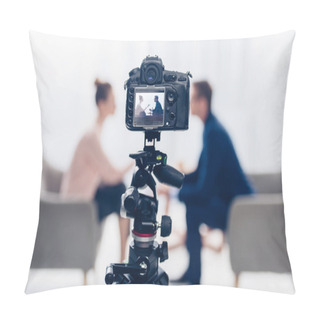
{"x":144,"y":251}
{"x":156,"y":161}
{"x":143,"y":208}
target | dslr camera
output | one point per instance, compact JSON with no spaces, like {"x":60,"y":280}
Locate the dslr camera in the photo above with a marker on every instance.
{"x":157,"y":99}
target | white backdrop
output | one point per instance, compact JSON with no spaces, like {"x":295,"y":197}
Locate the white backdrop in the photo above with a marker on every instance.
{"x":20,"y":140}
{"x":248,"y":77}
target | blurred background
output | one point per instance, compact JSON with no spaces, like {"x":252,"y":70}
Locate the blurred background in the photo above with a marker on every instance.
{"x":247,"y":77}
{"x":240,"y":72}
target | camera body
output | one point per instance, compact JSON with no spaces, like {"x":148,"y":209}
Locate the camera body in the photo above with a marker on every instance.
{"x":157,"y":99}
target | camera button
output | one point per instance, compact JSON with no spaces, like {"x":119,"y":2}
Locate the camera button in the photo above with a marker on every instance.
{"x":170,"y":77}
{"x":182,"y":78}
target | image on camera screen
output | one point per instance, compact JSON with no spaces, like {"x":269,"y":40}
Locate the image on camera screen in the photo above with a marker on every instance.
{"x":149,"y":108}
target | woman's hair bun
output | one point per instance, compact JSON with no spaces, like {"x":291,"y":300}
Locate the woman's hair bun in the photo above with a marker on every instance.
{"x":97,"y":82}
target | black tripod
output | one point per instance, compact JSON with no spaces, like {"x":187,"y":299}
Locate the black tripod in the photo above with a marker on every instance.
{"x":144,"y":251}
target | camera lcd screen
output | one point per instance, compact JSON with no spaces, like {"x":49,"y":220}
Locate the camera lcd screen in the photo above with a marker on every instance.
{"x":149,"y":107}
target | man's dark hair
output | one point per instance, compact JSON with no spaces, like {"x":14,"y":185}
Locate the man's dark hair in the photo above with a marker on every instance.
{"x":103,"y":90}
{"x":204,"y":90}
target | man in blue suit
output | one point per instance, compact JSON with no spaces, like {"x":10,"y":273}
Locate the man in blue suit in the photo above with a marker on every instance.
{"x":209,"y":190}
{"x":158,"y":108}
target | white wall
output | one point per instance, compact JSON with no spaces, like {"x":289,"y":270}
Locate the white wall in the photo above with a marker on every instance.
{"x":248,"y":77}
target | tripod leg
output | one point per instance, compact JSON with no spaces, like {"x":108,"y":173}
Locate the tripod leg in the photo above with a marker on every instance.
{"x":162,"y":278}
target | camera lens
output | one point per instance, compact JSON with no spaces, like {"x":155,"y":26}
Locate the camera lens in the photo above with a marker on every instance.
{"x":151,"y":75}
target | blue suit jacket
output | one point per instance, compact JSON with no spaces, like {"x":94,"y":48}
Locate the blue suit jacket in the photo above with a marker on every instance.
{"x":219,"y":174}
{"x":158,"y":108}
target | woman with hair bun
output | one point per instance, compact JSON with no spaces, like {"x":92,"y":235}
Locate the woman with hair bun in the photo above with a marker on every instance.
{"x":91,"y":176}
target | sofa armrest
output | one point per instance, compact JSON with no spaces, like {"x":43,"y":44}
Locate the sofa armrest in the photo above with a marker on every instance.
{"x":256,"y":234}
{"x":68,"y":233}
{"x":258,"y":198}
